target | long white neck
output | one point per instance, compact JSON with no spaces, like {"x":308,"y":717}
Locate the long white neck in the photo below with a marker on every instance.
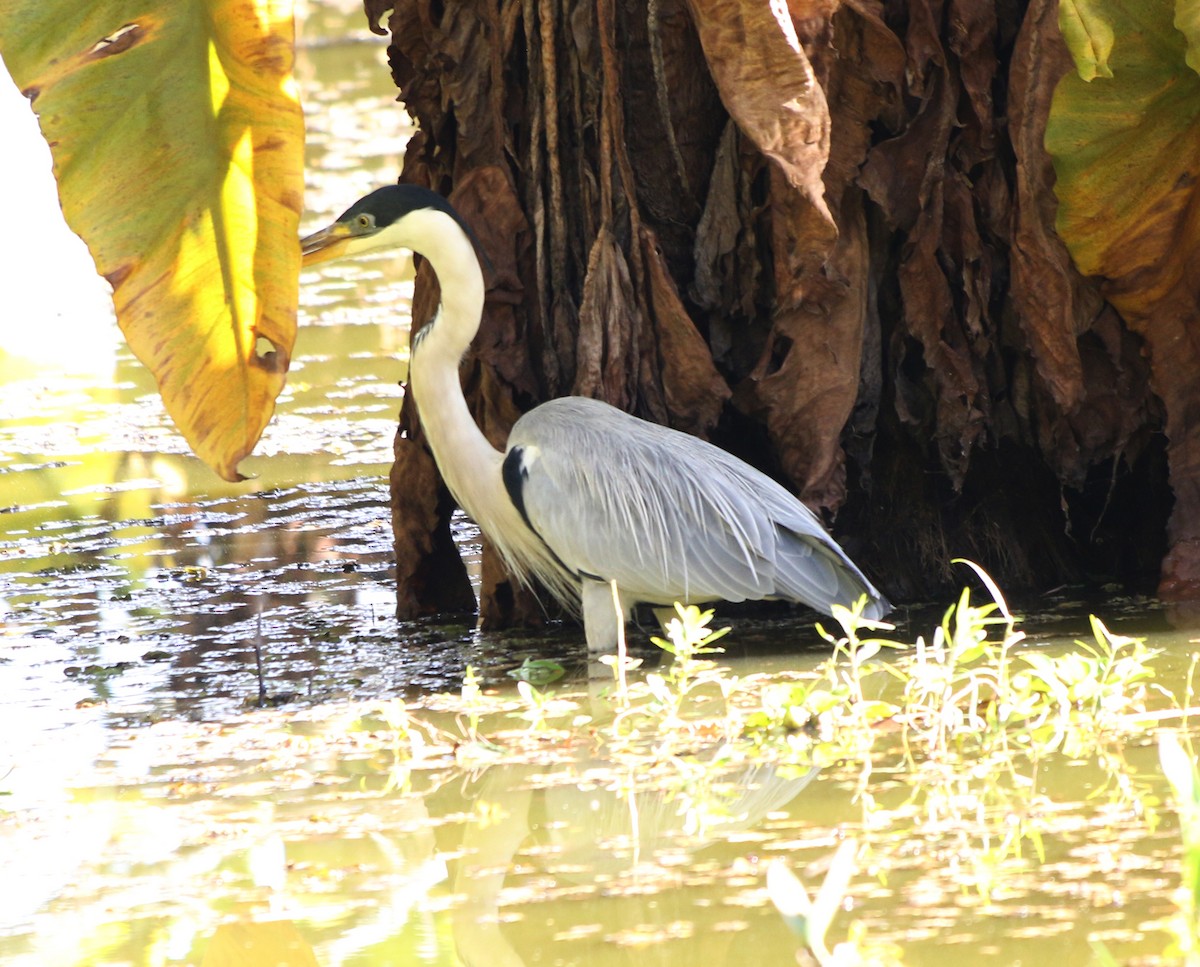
{"x":470,"y":465}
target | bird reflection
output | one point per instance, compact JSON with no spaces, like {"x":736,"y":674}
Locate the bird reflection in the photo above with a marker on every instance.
{"x":596,"y":842}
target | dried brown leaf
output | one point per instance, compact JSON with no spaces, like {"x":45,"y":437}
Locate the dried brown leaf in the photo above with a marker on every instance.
{"x":694,"y":391}
{"x":486,"y":200}
{"x":768,"y":86}
{"x":807,"y":381}
{"x":1054,"y":303}
{"x":864,"y":81}
{"x":608,"y":321}
{"x":901,"y":173}
{"x":727,"y":267}
{"x":930,"y":312}
{"x":972,"y":37}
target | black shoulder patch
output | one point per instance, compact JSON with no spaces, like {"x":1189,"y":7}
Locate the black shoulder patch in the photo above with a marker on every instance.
{"x":514,"y":475}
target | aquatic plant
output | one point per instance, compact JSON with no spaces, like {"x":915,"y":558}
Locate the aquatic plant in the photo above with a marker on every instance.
{"x":1179,"y":766}
{"x":941,"y":743}
{"x":810,"y":919}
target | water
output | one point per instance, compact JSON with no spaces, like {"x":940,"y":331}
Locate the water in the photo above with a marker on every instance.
{"x":209,"y":709}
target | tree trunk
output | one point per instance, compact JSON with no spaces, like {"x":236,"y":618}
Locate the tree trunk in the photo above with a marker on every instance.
{"x":822,"y":237}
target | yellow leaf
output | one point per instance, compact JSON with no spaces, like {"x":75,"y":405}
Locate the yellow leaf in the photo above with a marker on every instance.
{"x":1089,"y":37}
{"x":178,"y":148}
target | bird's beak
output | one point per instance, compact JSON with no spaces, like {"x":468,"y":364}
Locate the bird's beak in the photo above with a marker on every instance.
{"x":329,"y":243}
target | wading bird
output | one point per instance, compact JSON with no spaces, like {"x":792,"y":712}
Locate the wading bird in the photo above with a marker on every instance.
{"x":586,"y":494}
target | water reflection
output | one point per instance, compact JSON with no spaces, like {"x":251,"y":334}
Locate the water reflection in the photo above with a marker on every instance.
{"x":516,"y":864}
{"x":550,"y":855}
{"x":622,"y":865}
{"x":206,"y":583}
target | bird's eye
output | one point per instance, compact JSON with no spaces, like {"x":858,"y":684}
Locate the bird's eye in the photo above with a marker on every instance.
{"x":364,"y":221}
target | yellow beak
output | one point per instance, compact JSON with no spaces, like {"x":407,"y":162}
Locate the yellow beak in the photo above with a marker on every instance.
{"x":329,"y":243}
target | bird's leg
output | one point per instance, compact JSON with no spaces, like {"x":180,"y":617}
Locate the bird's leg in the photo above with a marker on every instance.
{"x":601,"y":617}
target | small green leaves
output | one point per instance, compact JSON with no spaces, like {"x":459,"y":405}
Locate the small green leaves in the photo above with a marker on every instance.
{"x":810,"y":919}
{"x":689,"y":634}
{"x":538,"y":671}
{"x":1179,"y":766}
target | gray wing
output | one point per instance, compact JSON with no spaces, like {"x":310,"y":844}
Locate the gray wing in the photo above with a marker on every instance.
{"x":668,"y":516}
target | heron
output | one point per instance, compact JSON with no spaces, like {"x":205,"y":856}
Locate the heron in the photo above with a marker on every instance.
{"x":601,"y":508}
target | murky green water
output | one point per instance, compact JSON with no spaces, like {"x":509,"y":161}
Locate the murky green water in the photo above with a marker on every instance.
{"x":195,"y":755}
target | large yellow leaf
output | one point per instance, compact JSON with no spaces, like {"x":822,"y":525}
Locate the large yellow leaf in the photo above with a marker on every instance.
{"x":177,"y":142}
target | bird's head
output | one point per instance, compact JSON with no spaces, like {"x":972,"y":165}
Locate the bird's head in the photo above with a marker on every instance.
{"x":395,"y":216}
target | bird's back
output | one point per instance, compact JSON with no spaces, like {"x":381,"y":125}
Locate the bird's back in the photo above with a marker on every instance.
{"x":669,"y":516}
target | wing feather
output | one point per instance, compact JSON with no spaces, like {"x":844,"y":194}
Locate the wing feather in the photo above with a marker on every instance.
{"x":669,"y":516}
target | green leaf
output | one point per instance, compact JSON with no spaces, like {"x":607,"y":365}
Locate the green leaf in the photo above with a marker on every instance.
{"x":1089,"y":37}
{"x":177,"y":141}
{"x":1126,"y":154}
{"x":658,"y":687}
{"x":530,"y":695}
{"x":833,"y":888}
{"x":877,"y":710}
{"x":1187,"y":22}
{"x":538,"y":671}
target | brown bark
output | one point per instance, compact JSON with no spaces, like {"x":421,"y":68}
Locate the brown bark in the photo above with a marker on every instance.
{"x":822,"y":235}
